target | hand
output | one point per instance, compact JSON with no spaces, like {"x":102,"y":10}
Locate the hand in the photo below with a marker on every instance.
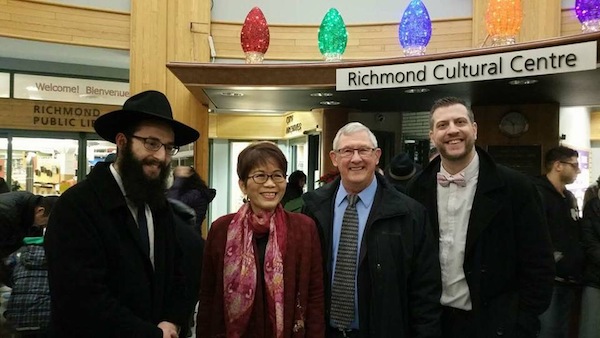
{"x":169,"y":330}
{"x":557,"y":256}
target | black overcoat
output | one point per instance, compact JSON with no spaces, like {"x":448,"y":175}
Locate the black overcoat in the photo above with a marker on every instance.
{"x":101,"y":282}
{"x":399,"y":282}
{"x":509,"y":263}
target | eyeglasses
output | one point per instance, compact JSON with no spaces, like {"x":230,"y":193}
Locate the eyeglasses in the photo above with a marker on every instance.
{"x":349,"y":152}
{"x":573,"y":165}
{"x":153,"y":144}
{"x":262,"y":178}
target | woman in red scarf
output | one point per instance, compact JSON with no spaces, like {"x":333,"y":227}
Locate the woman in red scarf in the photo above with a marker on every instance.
{"x":262,"y":274}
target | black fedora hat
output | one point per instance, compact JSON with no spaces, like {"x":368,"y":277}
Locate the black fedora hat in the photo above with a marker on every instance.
{"x":146,"y":105}
{"x":401,"y":168}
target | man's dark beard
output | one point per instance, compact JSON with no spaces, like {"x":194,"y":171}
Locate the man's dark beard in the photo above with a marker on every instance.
{"x":139,"y":188}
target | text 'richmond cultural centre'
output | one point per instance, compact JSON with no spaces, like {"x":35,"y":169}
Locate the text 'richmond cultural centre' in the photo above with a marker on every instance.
{"x":534,"y":62}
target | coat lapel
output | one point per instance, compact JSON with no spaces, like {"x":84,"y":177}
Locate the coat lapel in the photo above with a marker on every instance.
{"x":486,"y":203}
{"x":105,"y":184}
{"x":426,"y":193}
{"x":322,"y":207}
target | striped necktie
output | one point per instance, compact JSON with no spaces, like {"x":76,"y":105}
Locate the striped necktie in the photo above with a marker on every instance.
{"x":342,"y":290}
{"x":143,"y":228}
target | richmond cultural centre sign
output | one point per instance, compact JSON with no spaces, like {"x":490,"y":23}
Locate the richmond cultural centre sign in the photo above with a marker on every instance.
{"x":533,"y":62}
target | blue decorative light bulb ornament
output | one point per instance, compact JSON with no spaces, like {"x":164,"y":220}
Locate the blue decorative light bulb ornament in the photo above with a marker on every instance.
{"x":333,"y":36}
{"x":588,"y":13}
{"x":414,"y":31}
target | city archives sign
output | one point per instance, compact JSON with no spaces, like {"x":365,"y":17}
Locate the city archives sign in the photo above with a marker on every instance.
{"x":550,"y":60}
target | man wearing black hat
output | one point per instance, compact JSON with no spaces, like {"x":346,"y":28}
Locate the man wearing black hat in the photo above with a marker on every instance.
{"x":113,"y":262}
{"x":401,"y":170}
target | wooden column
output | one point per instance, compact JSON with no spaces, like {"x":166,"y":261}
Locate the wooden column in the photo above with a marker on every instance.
{"x":164,"y":31}
{"x":333,"y":120}
{"x":541,"y":20}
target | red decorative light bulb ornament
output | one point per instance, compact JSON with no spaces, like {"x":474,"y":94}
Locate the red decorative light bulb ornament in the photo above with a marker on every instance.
{"x":255,"y":36}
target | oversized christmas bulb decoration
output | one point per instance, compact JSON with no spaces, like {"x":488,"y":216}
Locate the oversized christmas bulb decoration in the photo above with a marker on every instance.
{"x":588,"y":13}
{"x":333,"y":36}
{"x":414,"y":31}
{"x":255,"y":36}
{"x":503,"y":21}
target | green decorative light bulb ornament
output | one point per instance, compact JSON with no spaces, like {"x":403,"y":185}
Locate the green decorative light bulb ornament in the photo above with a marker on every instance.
{"x":333,"y":36}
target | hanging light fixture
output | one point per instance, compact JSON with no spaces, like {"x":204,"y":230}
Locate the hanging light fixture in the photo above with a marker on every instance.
{"x":588,"y":13}
{"x":255,"y":36}
{"x":333,"y":36}
{"x":503,"y":21}
{"x":414,"y":31}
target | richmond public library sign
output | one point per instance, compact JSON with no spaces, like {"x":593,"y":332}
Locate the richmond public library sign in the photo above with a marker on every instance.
{"x":533,"y":62}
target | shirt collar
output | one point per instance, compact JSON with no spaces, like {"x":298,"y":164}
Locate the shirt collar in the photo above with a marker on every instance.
{"x":366,"y":196}
{"x":117,"y":177}
{"x":470,"y":170}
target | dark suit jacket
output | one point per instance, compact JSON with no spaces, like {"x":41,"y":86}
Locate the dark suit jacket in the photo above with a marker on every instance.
{"x":101,"y":282}
{"x":509,"y":263}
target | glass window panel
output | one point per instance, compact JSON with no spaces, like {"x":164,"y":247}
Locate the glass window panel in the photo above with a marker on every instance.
{"x":4,"y":158}
{"x":96,"y":151}
{"x":44,"y":166}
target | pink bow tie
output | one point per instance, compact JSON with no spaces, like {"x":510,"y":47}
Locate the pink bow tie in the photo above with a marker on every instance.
{"x":458,"y":179}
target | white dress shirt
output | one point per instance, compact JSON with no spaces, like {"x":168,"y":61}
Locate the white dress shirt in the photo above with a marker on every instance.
{"x":454,"y":209}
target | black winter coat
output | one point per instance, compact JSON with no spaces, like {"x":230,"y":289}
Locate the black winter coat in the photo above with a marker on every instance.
{"x":562,"y":215}
{"x":102,"y":284}
{"x":16,"y":220}
{"x":590,"y":228}
{"x":399,"y":282}
{"x":197,"y":199}
{"x":192,"y":248}
{"x":508,"y":264}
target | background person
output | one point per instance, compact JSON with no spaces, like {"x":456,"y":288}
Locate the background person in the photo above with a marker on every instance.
{"x":495,"y":252}
{"x":590,"y":298}
{"x":400,"y":170}
{"x":292,"y":200}
{"x":114,"y":264}
{"x":189,"y":188}
{"x":3,"y":185}
{"x":262,"y":271}
{"x":21,"y":214}
{"x":382,"y":270}
{"x":591,"y":192}
{"x":28,"y":308}
{"x":562,"y":215}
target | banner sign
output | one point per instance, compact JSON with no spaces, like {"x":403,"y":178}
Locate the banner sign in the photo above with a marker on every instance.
{"x":526,"y":63}
{"x":50,"y":88}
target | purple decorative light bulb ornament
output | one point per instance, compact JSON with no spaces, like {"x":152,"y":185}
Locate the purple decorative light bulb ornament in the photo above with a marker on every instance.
{"x":414,"y":31}
{"x":588,"y":13}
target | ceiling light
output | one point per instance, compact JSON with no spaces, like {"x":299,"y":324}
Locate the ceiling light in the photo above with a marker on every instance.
{"x":364,"y":99}
{"x":329,"y":103}
{"x":231,"y":94}
{"x":522,"y":82}
{"x":321,"y":94}
{"x":416,"y":90}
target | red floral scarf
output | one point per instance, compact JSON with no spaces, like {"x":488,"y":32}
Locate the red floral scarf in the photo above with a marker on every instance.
{"x":239,"y":270}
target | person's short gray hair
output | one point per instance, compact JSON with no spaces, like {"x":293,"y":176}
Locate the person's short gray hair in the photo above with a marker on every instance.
{"x":352,"y":128}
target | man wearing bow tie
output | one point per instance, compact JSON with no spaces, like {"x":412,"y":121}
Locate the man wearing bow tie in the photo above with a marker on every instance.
{"x":494,"y":249}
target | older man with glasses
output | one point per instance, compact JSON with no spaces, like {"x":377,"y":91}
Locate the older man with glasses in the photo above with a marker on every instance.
{"x":382,"y":271}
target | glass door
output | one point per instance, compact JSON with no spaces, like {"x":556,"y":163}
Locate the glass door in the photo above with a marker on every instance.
{"x":43,"y":166}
